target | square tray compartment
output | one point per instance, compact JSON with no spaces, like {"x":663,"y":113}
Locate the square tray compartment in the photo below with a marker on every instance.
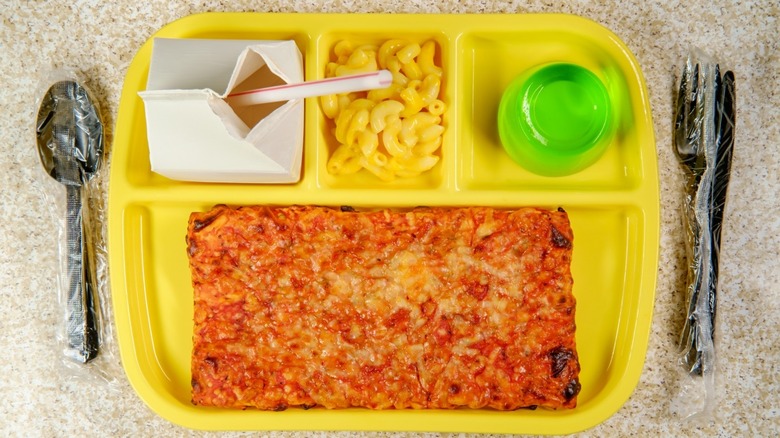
{"x":327,"y":143}
{"x":490,"y":60}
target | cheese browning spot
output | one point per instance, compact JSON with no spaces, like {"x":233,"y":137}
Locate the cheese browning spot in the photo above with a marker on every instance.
{"x":572,"y":389}
{"x":559,"y":240}
{"x":560,"y":358}
{"x":199,"y":224}
{"x":213,"y":362}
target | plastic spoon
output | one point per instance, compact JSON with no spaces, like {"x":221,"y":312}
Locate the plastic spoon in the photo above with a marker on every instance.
{"x":322,"y":87}
{"x":70,"y":145}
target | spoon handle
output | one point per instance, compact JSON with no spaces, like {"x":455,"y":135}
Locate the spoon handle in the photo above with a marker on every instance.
{"x":81,"y":326}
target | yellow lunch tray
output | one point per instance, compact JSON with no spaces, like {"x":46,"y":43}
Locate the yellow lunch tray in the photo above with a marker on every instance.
{"x":613,"y":207}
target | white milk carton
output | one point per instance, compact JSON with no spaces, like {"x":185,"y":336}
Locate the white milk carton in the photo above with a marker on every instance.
{"x":195,"y":134}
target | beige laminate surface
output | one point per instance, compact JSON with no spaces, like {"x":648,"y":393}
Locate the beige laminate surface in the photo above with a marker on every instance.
{"x":41,"y":397}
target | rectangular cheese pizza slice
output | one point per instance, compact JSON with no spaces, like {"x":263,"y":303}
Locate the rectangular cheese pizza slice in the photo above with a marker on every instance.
{"x":429,"y":308}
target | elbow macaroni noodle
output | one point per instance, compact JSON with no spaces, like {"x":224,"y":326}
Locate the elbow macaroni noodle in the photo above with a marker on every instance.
{"x":393,"y":132}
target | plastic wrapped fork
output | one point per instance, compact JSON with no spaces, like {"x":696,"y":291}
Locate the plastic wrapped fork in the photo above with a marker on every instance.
{"x":703,"y":141}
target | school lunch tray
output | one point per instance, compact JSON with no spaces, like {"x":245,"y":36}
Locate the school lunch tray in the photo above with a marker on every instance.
{"x":613,"y":207}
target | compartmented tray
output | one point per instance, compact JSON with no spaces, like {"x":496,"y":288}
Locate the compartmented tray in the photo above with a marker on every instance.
{"x":613,"y":207}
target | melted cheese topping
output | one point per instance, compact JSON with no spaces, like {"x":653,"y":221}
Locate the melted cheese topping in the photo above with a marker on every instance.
{"x":433,"y":308}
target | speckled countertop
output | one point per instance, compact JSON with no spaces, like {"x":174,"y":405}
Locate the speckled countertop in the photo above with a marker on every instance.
{"x":41,"y":397}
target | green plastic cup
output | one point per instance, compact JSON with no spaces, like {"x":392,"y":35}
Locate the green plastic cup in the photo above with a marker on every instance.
{"x":556,"y":120}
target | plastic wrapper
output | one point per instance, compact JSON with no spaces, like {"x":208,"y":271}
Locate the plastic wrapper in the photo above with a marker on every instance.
{"x":703,"y":141}
{"x":69,"y":140}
